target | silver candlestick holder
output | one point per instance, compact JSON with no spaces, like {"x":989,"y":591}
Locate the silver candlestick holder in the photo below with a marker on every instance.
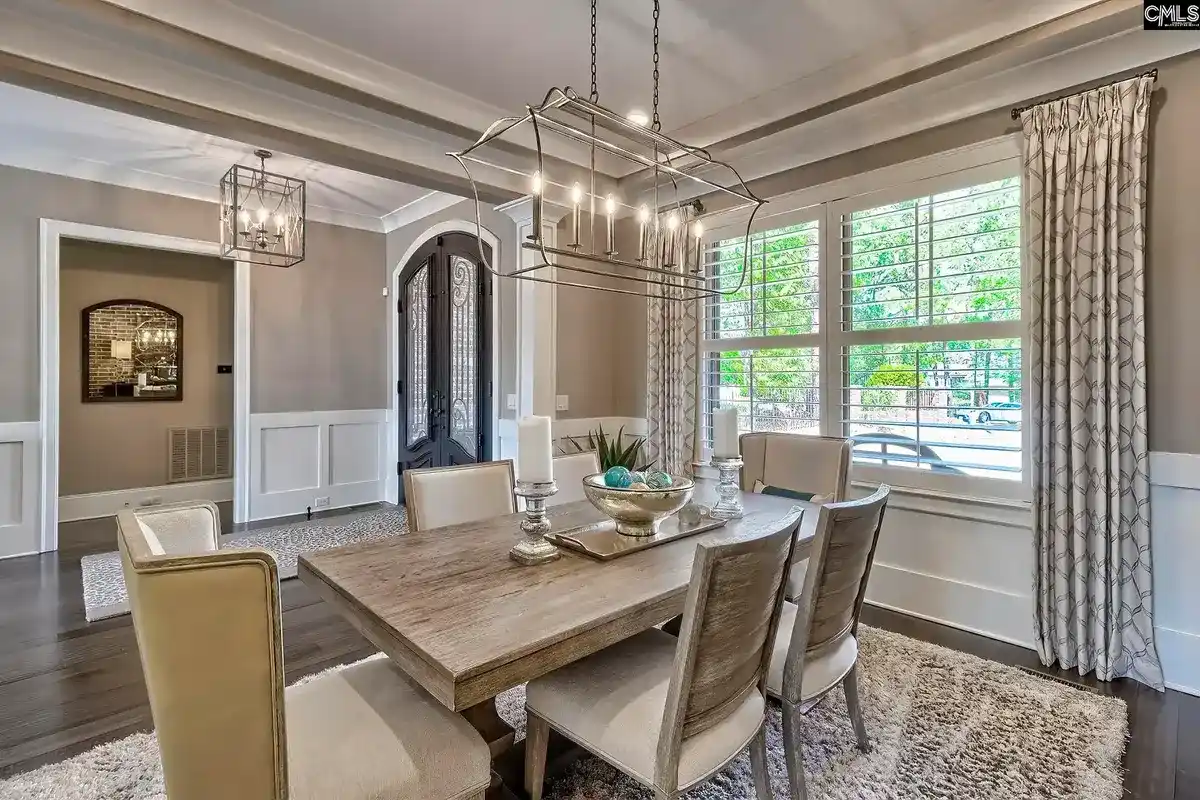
{"x":729,"y":492}
{"x":534,"y":548}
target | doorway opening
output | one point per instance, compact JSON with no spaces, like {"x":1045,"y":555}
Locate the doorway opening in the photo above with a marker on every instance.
{"x":445,"y":384}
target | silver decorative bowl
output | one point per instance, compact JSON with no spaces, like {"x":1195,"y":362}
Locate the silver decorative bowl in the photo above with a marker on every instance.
{"x":637,"y":512}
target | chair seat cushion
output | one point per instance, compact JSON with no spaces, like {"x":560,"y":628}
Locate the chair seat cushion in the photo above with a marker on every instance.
{"x":821,"y":673}
{"x":612,"y":703}
{"x":795,"y":586}
{"x":367,"y":733}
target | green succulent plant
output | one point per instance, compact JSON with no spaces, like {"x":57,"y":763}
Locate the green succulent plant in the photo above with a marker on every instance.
{"x":611,"y":453}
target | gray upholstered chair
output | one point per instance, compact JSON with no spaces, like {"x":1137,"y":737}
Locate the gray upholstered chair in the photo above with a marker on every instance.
{"x":672,"y":712}
{"x":209,"y":638}
{"x":441,"y":496}
{"x":815,"y":646}
{"x":797,"y":465}
{"x":569,"y":472}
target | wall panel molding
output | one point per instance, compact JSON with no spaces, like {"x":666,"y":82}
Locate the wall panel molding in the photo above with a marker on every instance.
{"x":94,"y":505}
{"x":20,"y":445}
{"x":299,"y":458}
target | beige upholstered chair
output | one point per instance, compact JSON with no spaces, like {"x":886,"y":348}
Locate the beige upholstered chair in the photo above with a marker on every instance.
{"x":816,"y":466}
{"x":671,"y":712}
{"x":182,"y":528}
{"x":569,"y":472}
{"x":816,"y":646}
{"x":208,"y":632}
{"x":441,"y":496}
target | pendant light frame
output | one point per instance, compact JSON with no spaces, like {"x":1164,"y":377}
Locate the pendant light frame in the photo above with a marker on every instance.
{"x":263,"y":215}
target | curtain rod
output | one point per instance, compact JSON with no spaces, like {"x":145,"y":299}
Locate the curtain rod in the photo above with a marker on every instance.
{"x":1016,"y":112}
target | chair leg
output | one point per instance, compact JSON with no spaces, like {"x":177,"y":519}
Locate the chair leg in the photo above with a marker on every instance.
{"x":758,"y":765}
{"x":793,"y":750}
{"x":537,"y":740}
{"x":850,"y":683}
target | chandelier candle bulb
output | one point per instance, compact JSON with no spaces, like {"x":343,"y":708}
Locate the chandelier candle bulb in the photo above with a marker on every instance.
{"x":725,"y":433}
{"x":672,"y":241}
{"x":643,"y":218}
{"x":576,"y":198}
{"x":698,"y":232}
{"x":536,"y":188}
{"x":534,"y":453}
{"x":610,"y":209}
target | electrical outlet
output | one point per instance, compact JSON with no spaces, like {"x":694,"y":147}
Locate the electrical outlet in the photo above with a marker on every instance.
{"x":512,"y":402}
{"x":151,"y":501}
{"x":321,"y":502}
{"x":562,"y":402}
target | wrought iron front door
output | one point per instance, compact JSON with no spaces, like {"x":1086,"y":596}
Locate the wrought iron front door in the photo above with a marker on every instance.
{"x":445,"y":332}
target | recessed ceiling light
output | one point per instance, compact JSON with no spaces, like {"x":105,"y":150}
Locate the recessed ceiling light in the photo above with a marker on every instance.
{"x":638,"y":117}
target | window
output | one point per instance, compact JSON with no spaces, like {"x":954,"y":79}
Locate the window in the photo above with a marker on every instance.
{"x":903,"y":332}
{"x":759,"y":353}
{"x":931,"y":347}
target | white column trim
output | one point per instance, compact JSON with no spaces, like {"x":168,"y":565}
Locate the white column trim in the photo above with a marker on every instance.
{"x":392,"y":485}
{"x":537,"y":315}
{"x":51,"y":232}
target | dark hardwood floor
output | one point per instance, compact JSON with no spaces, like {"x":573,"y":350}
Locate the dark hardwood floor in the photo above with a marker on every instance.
{"x":67,"y":685}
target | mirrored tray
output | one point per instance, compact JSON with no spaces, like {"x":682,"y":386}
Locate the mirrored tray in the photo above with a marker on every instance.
{"x":601,"y":541}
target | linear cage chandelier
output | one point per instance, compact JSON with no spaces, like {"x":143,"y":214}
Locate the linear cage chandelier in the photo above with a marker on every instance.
{"x":262,"y":215}
{"x":669,"y":257}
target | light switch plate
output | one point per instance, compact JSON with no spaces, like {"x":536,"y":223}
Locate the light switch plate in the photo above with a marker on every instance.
{"x":512,"y":402}
{"x":562,"y":402}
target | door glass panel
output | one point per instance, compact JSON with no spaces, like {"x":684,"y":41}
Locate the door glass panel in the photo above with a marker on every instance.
{"x":464,"y":327}
{"x":417,"y":358}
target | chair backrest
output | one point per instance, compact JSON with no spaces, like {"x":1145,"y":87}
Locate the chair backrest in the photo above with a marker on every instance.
{"x":209,"y":638}
{"x":796,"y":461}
{"x":725,"y":642}
{"x":441,"y":496}
{"x":835,"y":583}
{"x":182,"y":528}
{"x":569,"y":472}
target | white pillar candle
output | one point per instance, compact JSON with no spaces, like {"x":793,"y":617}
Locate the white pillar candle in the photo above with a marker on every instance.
{"x":725,"y":433}
{"x":534,"y":457}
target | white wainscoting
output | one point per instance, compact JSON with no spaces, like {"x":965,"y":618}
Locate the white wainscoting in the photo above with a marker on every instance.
{"x":20,"y":443}
{"x":298,"y":457}
{"x":1175,"y":537}
{"x":106,"y":504}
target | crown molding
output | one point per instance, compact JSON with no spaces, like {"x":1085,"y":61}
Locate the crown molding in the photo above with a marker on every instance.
{"x":420,"y":208}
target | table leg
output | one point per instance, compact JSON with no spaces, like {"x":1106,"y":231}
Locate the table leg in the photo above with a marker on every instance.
{"x":498,"y":734}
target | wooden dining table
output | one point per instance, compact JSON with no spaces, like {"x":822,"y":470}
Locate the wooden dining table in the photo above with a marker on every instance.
{"x":464,"y":621}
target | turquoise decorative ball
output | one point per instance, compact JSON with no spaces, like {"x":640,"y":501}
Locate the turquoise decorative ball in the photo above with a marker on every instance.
{"x":618,"y":478}
{"x":658,"y":480}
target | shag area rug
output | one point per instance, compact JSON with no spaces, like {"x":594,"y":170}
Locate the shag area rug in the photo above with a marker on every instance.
{"x":104,"y":592}
{"x":942,"y":724}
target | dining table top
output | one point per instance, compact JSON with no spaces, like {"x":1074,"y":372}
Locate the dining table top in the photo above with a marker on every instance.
{"x":466,"y":622}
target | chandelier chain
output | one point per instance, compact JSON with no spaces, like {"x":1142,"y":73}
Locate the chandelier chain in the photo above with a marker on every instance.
{"x":657,"y":124}
{"x":595,"y":96}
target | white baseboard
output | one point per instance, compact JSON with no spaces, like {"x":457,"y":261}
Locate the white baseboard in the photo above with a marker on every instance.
{"x":978,"y":609}
{"x":106,"y":504}
{"x":318,"y":459}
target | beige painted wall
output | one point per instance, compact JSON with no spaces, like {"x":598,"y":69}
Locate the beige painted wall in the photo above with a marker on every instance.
{"x":111,"y":446}
{"x":601,"y":345}
{"x":301,"y":316}
{"x":505,"y":230}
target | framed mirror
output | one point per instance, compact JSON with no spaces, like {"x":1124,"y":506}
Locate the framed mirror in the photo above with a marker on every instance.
{"x":132,"y":351}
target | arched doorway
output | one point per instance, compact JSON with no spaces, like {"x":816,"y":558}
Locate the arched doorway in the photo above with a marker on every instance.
{"x":445,"y":348}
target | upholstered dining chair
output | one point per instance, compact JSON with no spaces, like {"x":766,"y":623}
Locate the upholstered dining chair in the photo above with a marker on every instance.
{"x":816,"y":645}
{"x":440,"y":496}
{"x":797,"y":465}
{"x":209,"y":637}
{"x":672,"y":712}
{"x":569,"y":472}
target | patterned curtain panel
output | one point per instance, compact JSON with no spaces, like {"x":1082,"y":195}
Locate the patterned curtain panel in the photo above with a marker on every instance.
{"x":672,"y":376}
{"x":1085,"y":178}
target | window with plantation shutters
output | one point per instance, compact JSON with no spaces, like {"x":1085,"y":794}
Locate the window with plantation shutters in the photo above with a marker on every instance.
{"x":930,"y":333}
{"x":892,"y":317}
